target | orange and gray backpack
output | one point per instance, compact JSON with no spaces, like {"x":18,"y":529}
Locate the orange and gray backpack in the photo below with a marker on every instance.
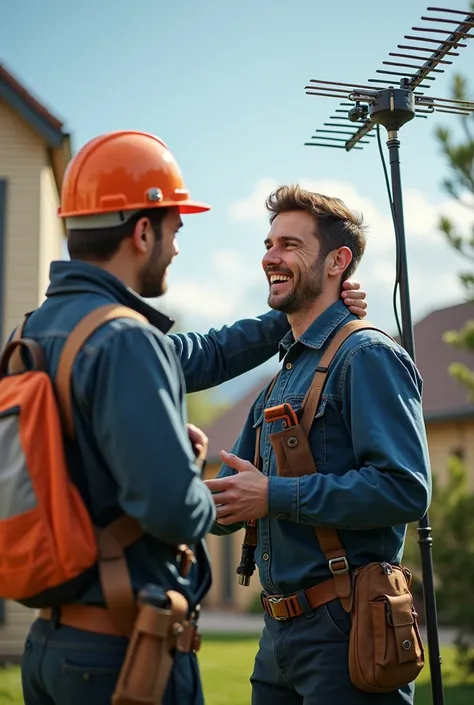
{"x":48,"y":542}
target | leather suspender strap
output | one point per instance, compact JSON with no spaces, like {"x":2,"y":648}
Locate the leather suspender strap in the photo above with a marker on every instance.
{"x":258,"y":434}
{"x":250,"y":537}
{"x":313,"y":395}
{"x":328,"y":538}
{"x":299,"y":458}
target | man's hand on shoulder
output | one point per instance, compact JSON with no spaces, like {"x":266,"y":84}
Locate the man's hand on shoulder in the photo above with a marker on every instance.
{"x":354,"y":298}
{"x":242,"y":496}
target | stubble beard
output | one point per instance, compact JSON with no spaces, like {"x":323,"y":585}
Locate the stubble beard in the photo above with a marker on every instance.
{"x":308,"y":289}
{"x":153,"y":275}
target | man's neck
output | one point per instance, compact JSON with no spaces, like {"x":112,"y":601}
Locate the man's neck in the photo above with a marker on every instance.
{"x":302,"y":319}
{"x":119,"y":270}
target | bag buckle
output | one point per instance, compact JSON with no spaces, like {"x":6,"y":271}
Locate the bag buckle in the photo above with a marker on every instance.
{"x":343,"y":565}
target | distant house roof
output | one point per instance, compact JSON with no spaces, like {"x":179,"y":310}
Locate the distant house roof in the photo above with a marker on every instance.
{"x":444,"y":397}
{"x":39,"y":119}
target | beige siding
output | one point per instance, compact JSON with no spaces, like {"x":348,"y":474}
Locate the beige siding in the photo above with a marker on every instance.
{"x":22,"y":158}
{"x":51,"y":234}
{"x":12,"y":634}
{"x":445,"y":439}
{"x":33,"y":238}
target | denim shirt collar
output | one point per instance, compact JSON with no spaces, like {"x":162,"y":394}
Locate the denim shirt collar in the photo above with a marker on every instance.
{"x":316,"y":335}
{"x":74,"y":277}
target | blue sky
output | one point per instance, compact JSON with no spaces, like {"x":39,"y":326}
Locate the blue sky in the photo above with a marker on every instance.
{"x":223,"y":84}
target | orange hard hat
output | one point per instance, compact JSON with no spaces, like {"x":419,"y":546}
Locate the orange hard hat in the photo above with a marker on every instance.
{"x":121,"y":173}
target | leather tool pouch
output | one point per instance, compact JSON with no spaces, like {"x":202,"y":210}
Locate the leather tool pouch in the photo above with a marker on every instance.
{"x":151,"y":650}
{"x":292,"y":452}
{"x":385,"y":649}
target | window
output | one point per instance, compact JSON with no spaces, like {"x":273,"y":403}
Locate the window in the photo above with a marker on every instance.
{"x":2,"y":612}
{"x":3,"y":225}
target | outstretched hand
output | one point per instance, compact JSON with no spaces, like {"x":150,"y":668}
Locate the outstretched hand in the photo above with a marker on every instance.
{"x":239,"y":497}
{"x":354,"y":298}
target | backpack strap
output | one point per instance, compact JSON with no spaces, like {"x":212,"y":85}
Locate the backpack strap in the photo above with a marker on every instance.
{"x":11,"y":362}
{"x":113,"y":539}
{"x":76,"y":339}
{"x":12,"y":353}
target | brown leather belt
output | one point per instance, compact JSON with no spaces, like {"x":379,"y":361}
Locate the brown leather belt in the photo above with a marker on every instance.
{"x":99,"y":620}
{"x":282,"y":608}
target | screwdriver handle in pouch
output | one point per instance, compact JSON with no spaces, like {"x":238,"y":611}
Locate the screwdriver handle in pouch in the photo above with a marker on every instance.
{"x":150,"y":653}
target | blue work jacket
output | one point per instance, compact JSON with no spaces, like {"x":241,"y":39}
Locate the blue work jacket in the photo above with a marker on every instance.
{"x":368,"y":441}
{"x":132,"y":453}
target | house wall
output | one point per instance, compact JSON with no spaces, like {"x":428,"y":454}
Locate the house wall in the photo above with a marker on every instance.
{"x":446,"y":439}
{"x":31,"y":238}
{"x":23,"y":162}
{"x":51,"y":231}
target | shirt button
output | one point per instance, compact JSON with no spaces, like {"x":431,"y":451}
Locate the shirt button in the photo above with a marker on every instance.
{"x":288,"y":365}
{"x":282,"y":516}
{"x":266,"y":556}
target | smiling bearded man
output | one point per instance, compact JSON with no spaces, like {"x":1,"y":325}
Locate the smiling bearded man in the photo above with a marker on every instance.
{"x":356,"y":461}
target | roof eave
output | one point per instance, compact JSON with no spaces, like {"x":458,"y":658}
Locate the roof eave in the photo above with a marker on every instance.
{"x":461,"y":414}
{"x":52,"y":134}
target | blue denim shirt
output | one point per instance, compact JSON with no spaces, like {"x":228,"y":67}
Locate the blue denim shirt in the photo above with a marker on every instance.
{"x":132,"y":452}
{"x":369,"y":443}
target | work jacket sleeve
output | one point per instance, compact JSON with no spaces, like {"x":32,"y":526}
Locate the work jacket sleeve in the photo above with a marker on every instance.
{"x":222,"y":354}
{"x":139,"y":424}
{"x":391,"y":484}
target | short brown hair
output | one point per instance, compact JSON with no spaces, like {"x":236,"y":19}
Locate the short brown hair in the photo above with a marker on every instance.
{"x":337,"y":225}
{"x":102,"y":244}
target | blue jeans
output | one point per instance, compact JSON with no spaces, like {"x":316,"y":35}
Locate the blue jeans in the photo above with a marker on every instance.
{"x":65,"y":666}
{"x":304,"y":661}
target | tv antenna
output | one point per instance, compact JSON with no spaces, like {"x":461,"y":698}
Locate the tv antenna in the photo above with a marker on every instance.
{"x":363,"y":110}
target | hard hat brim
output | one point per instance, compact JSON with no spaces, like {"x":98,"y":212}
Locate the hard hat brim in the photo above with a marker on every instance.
{"x":187,"y":207}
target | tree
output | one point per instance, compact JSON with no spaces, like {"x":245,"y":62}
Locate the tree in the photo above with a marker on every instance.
{"x":452,"y":508}
{"x":459,"y":157}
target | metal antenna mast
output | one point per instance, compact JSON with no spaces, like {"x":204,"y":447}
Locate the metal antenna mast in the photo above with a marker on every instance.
{"x":392,"y":107}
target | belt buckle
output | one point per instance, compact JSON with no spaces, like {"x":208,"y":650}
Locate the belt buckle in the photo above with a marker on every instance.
{"x":276,"y":601}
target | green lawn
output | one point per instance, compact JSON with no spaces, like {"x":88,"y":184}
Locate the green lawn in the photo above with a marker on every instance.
{"x":226,"y":663}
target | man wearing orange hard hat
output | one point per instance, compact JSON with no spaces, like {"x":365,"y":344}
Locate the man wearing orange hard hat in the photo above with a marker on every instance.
{"x":133,"y":454}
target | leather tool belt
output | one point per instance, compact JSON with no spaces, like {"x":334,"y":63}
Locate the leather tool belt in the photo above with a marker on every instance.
{"x":100,"y":621}
{"x":282,"y":608}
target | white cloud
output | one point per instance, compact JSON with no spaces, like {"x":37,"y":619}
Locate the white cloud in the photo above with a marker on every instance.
{"x":192,"y":299}
{"x":382,"y":271}
{"x":253,"y":207}
{"x":226,"y":261}
{"x":232,"y":285}
{"x":421,"y":216}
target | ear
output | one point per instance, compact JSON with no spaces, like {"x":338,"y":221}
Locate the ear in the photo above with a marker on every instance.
{"x":338,"y":261}
{"x":141,"y":235}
